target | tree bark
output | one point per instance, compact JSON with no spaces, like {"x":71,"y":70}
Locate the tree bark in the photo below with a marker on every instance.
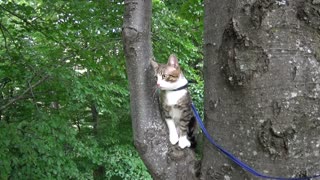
{"x":262,"y":87}
{"x":163,"y":160}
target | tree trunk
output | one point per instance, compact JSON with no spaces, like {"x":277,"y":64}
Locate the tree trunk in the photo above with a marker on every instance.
{"x":262,"y":76}
{"x":163,"y":160}
{"x":95,"y":118}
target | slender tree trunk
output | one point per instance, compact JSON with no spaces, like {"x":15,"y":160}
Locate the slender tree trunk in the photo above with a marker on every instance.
{"x":95,"y":118}
{"x":262,"y":76}
{"x":163,"y":160}
{"x":100,"y":171}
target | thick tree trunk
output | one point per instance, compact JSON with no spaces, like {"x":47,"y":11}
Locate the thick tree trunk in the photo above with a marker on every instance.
{"x":163,"y":160}
{"x":262,"y":75}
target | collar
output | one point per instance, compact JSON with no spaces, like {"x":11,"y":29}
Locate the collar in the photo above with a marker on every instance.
{"x":180,"y":88}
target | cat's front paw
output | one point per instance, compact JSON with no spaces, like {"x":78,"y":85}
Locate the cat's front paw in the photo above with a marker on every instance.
{"x":184,"y":142}
{"x":173,"y":139}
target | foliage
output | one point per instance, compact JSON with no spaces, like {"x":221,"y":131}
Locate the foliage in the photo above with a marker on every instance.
{"x":177,"y":28}
{"x":64,"y":98}
{"x":64,"y":102}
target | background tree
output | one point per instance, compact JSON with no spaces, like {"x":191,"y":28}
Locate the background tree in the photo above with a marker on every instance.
{"x":262,"y":87}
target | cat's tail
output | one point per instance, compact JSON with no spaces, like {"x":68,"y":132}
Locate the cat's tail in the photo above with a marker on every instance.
{"x":192,"y":126}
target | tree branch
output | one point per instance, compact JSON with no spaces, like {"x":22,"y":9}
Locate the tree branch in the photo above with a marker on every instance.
{"x":35,"y":27}
{"x":4,"y":36}
{"x":24,"y":92}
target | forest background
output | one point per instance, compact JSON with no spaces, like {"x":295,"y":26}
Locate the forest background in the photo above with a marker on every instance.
{"x":64,"y":102}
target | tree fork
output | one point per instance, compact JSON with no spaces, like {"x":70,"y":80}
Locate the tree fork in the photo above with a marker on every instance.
{"x":163,"y":160}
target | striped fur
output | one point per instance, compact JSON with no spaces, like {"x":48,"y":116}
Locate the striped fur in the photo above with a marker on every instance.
{"x":175,"y":105}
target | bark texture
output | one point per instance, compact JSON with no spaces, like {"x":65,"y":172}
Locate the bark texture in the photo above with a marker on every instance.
{"x":262,"y":87}
{"x":163,"y":160}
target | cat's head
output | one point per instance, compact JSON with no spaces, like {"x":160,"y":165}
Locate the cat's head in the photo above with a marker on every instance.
{"x":169,"y":76}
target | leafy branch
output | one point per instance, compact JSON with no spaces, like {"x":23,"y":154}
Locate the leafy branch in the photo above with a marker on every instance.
{"x":30,"y":88}
{"x":2,"y":28}
{"x":35,"y":27}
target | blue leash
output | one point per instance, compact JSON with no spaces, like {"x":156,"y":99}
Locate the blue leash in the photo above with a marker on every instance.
{"x":235,"y":159}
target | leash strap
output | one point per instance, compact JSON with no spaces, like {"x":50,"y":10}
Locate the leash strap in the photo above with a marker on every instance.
{"x":235,"y":159}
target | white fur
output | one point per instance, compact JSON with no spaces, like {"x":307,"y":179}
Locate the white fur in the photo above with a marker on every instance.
{"x":173,"y":134}
{"x":164,"y":85}
{"x":172,"y":97}
{"x":184,"y":142}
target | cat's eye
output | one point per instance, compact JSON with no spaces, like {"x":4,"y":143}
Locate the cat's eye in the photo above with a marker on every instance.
{"x":163,"y":76}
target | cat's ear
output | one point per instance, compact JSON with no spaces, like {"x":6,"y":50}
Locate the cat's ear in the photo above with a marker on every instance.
{"x":154,"y":64}
{"x":173,"y":61}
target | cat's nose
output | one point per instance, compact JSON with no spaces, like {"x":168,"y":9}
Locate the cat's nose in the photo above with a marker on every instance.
{"x":158,"y":84}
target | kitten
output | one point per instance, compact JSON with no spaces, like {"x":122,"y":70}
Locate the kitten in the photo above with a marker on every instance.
{"x":175,"y":102}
